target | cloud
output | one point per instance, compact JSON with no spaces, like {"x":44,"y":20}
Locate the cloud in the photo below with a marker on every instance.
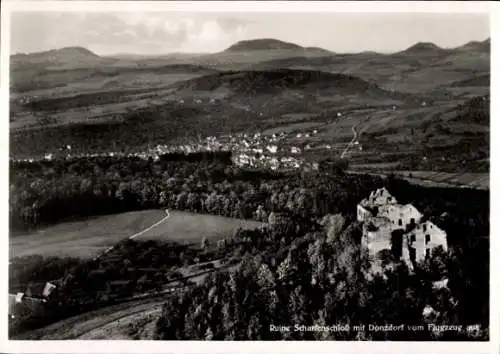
{"x":164,"y":32}
{"x":111,"y":32}
{"x":214,"y":35}
{"x":230,"y":24}
{"x":186,"y":32}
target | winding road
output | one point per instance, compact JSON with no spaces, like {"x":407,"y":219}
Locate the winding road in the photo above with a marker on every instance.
{"x":136,"y":234}
{"x":355,"y":133}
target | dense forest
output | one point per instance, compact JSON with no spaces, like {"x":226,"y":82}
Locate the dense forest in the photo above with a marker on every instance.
{"x":321,"y":279}
{"x":51,"y":191}
{"x":47,"y":192}
{"x":304,"y":267}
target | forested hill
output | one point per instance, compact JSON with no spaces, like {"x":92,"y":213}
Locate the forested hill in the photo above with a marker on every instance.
{"x":290,"y":271}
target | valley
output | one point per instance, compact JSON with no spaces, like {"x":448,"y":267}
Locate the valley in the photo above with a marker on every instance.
{"x":150,"y":194}
{"x":117,"y":104}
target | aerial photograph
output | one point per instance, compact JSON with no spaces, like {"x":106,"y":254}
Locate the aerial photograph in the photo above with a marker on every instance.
{"x":234,"y":176}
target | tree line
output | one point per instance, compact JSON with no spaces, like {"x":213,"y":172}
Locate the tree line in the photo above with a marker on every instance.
{"x":48,"y":192}
{"x":52,"y":191}
{"x":307,"y":252}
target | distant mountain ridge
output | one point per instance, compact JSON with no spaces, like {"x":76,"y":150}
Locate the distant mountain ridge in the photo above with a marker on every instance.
{"x":422,"y":48}
{"x":479,"y":46}
{"x":244,"y":45}
{"x":262,"y":44}
{"x":63,"y":57}
{"x":60,"y":51}
{"x":407,"y":71}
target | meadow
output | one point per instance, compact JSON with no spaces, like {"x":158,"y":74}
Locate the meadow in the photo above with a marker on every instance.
{"x":87,"y":238}
{"x":476,"y":180}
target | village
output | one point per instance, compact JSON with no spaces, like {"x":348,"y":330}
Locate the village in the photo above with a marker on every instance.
{"x":278,"y":151}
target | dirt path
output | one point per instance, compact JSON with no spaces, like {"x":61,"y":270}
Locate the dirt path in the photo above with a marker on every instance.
{"x":353,"y":128}
{"x":109,"y":249}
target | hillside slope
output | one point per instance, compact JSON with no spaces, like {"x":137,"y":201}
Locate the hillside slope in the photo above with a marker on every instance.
{"x":209,"y":105}
{"x":477,"y":46}
{"x":68,"y":56}
{"x":420,"y":68}
{"x":78,"y":80}
{"x":404,"y":102}
{"x":280,"y":79}
{"x":455,"y":137}
{"x":423,"y":49}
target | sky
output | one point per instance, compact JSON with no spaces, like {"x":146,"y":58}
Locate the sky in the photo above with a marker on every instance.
{"x":107,"y":33}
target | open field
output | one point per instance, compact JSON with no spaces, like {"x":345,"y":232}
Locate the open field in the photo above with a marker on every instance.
{"x":472,"y":180}
{"x":192,"y":227}
{"x":290,"y":128}
{"x":430,"y":178}
{"x":88,"y":238}
{"x":84,"y":238}
{"x":119,"y":82}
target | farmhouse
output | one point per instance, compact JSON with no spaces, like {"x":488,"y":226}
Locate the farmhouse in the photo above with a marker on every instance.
{"x":39,"y":290}
{"x":398,"y":228}
{"x":22,"y":307}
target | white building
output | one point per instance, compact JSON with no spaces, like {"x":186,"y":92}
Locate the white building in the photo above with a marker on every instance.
{"x":273,"y":149}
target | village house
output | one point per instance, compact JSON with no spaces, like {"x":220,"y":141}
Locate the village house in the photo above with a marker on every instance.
{"x":31,"y":301}
{"x":388,"y":225}
{"x":272,"y":149}
{"x":22,"y":307}
{"x":39,"y":290}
